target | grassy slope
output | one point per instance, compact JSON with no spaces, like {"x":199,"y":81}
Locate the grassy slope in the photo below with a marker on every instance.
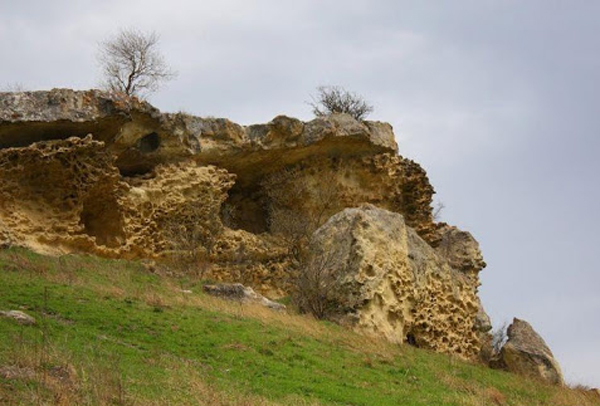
{"x":110,"y":332}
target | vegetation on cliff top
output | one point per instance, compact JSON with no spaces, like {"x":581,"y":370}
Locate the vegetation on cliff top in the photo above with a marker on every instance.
{"x":113,"y":332}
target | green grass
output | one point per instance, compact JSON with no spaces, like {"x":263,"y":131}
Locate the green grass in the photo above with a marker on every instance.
{"x":111,"y":332}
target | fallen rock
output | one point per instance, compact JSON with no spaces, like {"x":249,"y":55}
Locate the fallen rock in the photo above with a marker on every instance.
{"x":377,"y":274}
{"x":527,"y":354}
{"x":19,"y":316}
{"x":241,"y":293}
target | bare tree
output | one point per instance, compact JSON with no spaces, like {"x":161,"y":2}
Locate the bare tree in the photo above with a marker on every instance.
{"x":132,"y":63}
{"x":335,"y":99}
{"x":14,"y":87}
{"x":437,"y":211}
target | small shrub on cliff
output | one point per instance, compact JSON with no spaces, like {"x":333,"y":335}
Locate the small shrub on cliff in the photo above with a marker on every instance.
{"x":437,"y":211}
{"x":335,"y":99}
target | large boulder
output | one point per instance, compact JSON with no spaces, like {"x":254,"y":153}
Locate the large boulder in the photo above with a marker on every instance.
{"x":378,"y":275}
{"x":526,"y":353}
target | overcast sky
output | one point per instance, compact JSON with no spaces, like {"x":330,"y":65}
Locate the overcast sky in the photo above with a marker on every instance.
{"x":498,"y":100}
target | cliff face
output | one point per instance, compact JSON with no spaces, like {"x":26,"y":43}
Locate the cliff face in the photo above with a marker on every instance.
{"x":94,"y":172}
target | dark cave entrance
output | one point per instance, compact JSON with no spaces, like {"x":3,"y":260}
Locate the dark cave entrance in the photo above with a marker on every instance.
{"x":148,"y":143}
{"x":245,"y":209}
{"x":411,"y":340}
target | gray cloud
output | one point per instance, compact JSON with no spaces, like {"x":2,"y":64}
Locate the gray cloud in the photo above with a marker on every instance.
{"x":497,"y":100}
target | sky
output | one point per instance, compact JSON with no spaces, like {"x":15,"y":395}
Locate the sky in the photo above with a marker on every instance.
{"x":497,"y":99}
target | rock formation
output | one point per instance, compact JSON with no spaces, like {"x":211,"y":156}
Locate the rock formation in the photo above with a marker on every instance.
{"x":381,"y":277}
{"x":527,"y":354}
{"x":96,"y":172}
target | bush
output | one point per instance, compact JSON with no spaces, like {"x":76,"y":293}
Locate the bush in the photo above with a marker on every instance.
{"x":335,"y":99}
{"x":315,"y":284}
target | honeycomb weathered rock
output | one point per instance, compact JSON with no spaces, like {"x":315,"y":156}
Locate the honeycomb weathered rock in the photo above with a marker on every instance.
{"x":386,"y":280}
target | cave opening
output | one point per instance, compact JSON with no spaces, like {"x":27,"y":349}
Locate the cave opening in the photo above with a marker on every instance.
{"x":411,"y":340}
{"x":148,"y":143}
{"x":245,"y":209}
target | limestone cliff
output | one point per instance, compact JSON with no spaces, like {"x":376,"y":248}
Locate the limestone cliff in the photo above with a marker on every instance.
{"x":90,"y":171}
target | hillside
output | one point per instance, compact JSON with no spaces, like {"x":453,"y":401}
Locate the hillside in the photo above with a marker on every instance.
{"x":117,"y":332}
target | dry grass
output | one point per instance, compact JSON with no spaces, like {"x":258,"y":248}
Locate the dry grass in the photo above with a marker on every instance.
{"x":479,"y":395}
{"x":578,"y":395}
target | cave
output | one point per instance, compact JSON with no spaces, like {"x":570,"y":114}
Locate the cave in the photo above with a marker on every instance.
{"x":149,"y":143}
{"x":245,"y":209}
{"x":24,"y":134}
{"x":411,"y":340}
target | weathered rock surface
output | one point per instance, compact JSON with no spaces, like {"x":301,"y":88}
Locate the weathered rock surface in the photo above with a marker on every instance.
{"x":241,"y":293}
{"x":45,"y":149}
{"x":141,"y":137}
{"x":28,"y":117}
{"x":97,"y":172}
{"x":49,"y":189}
{"x":19,"y":316}
{"x":66,"y":195}
{"x":527,"y":354}
{"x":388,"y":281}
{"x":460,"y":249}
